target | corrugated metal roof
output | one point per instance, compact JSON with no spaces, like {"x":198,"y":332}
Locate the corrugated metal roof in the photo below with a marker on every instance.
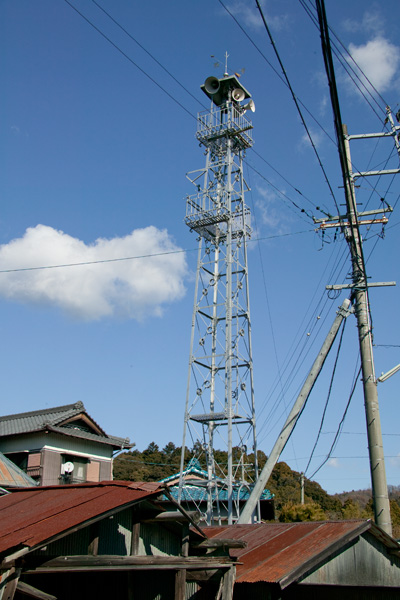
{"x":13,"y":476}
{"x":30,"y":517}
{"x":282,"y":552}
{"x":53,"y":418}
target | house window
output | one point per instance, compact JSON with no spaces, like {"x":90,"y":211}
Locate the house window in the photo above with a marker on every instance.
{"x":73,"y":469}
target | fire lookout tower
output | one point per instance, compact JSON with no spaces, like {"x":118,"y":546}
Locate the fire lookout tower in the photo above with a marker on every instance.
{"x":219,"y":410}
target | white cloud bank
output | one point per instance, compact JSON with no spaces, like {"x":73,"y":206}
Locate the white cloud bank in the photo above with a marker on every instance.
{"x":129,"y":289}
{"x":379,"y":60}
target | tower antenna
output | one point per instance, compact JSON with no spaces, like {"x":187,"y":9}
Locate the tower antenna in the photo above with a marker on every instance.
{"x":219,"y":409}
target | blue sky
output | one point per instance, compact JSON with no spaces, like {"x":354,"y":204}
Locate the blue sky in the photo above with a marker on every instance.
{"x":96,"y":138}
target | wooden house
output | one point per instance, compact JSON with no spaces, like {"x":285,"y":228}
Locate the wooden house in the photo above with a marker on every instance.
{"x":59,"y":445}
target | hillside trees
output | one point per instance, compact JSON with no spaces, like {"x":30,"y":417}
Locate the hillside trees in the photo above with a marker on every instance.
{"x":154,"y":464}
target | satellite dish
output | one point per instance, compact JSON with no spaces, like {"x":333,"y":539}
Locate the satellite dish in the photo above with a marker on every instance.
{"x":68,"y":467}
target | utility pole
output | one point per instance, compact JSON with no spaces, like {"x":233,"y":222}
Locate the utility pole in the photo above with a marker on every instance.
{"x":350,"y":225}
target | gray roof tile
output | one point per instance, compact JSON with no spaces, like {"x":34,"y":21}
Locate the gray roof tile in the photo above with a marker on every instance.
{"x":51,"y":418}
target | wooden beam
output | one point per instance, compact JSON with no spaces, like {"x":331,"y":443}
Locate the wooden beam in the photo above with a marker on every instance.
{"x":206,"y":575}
{"x":135,"y":539}
{"x":185,"y":540}
{"x":93,"y":547}
{"x":183,"y":511}
{"x":8,"y":583}
{"x":228,"y":581}
{"x":219,"y":543}
{"x":28,"y":590}
{"x":70,"y":564}
{"x":180,"y":585}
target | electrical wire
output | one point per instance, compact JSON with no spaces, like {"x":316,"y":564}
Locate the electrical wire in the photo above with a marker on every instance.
{"x":275,"y":70}
{"x":130,"y":59}
{"x":149,"y":54}
{"x":140,"y":256}
{"x":297,"y":105}
{"x":173,"y":77}
{"x":344,"y":63}
{"x":338,"y":432}
{"x":328,"y":396}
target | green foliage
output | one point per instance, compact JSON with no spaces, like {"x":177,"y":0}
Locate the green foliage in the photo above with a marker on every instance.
{"x":154,"y":464}
{"x":301,"y":512}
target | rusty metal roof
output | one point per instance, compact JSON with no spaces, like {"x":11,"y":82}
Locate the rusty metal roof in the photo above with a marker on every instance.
{"x":30,"y":517}
{"x":282,"y":552}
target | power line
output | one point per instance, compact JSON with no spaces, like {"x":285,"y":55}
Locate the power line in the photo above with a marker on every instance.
{"x":338,"y":432}
{"x":140,"y":256}
{"x":275,"y":70}
{"x":297,"y":104}
{"x":345,"y":63}
{"x":148,"y":53}
{"x":172,"y":76}
{"x":328,"y":396}
{"x":130,"y":59}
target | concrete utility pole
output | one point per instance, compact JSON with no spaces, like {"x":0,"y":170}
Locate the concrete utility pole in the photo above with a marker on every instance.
{"x":349,"y":225}
{"x":360,"y":298}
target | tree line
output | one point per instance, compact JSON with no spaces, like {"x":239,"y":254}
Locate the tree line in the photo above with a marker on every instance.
{"x":154,"y":464}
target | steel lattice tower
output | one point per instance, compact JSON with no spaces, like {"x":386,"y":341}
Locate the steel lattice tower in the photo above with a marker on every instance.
{"x":220,"y":412}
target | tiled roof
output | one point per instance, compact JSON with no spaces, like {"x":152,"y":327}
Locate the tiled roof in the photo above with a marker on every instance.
{"x":35,"y":420}
{"x":52,"y":419}
{"x":12,"y":476}
{"x":197,"y":493}
{"x":110,"y":439}
{"x":31,"y":517}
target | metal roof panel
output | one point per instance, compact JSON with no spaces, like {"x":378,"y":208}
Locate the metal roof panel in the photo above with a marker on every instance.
{"x":281,"y":552}
{"x":31,"y":516}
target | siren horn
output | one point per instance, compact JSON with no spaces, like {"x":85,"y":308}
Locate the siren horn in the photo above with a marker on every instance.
{"x":238,"y":94}
{"x":250,"y":106}
{"x":211,"y":85}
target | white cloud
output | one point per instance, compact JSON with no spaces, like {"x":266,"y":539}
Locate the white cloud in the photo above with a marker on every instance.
{"x":268,"y":210}
{"x":316,"y":136}
{"x":395,"y":461}
{"x":379,"y":60}
{"x":334,"y":463}
{"x":371,"y":22}
{"x":250,"y":15}
{"x":130,"y":289}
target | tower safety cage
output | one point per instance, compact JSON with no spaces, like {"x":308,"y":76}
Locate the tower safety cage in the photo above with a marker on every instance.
{"x":219,"y":422}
